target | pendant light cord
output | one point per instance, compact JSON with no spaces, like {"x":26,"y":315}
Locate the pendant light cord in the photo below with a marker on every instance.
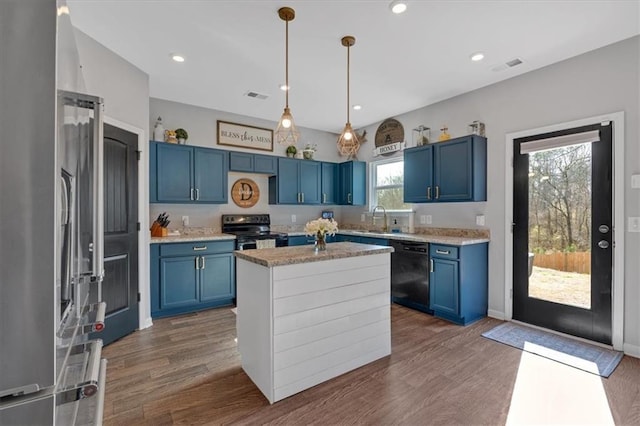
{"x":286,"y":65}
{"x":348,"y":72}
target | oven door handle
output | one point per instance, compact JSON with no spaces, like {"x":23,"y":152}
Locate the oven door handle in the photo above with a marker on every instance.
{"x":246,"y":243}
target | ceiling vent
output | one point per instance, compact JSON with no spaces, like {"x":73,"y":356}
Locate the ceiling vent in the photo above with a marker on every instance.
{"x":509,"y":64}
{"x":256,"y":95}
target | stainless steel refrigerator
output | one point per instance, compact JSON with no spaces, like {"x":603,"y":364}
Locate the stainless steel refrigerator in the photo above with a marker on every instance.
{"x":51,"y":263}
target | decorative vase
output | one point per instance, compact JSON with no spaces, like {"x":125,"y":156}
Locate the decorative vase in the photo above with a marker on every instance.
{"x":321,"y":242}
{"x":182,"y":141}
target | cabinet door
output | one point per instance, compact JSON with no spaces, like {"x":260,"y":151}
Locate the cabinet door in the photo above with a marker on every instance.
{"x":211,"y":169}
{"x":174,"y":173}
{"x":178,"y":282}
{"x":329,"y":183}
{"x":300,"y":240}
{"x":444,"y":286}
{"x":216,"y":277}
{"x":418,"y":175}
{"x":453,"y":171}
{"x":310,"y":182}
{"x":288,"y":178}
{"x":265,"y":164}
{"x":346,"y":183}
{"x":241,"y":162}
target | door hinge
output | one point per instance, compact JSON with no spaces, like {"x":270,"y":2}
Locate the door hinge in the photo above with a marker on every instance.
{"x":138,"y":155}
{"x":138,"y":226}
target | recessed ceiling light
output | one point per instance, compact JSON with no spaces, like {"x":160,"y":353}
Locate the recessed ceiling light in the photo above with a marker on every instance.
{"x":284,"y":87}
{"x":398,"y":6}
{"x":478,"y":56}
{"x":357,"y":107}
{"x":177,"y":58}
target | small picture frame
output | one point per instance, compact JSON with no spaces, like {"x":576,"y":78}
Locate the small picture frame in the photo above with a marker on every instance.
{"x":244,"y":136}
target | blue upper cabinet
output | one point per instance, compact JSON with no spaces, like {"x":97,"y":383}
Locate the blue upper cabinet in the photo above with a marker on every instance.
{"x":329,"y":183}
{"x":450,"y":171}
{"x":418,"y":174}
{"x":297,"y":182}
{"x":252,"y":163}
{"x":184,"y":174}
{"x":353,"y":183}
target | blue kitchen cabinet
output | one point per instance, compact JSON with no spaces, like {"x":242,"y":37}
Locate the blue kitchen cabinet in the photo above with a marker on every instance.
{"x":297,"y":182}
{"x":362,"y":240}
{"x":252,"y":163}
{"x":187,"y":277}
{"x":451,"y":171}
{"x":418,"y":174}
{"x":353,"y":183}
{"x":189,"y":175}
{"x":303,"y":240}
{"x":458,"y":282}
{"x":329,"y":183}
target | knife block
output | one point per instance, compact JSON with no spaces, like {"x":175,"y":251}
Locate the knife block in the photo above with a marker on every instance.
{"x":158,"y":231}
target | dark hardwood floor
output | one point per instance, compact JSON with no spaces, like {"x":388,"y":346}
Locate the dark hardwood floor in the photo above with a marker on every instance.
{"x":186,"y":370}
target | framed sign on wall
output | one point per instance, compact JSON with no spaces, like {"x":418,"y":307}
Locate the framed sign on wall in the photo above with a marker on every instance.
{"x":244,"y":136}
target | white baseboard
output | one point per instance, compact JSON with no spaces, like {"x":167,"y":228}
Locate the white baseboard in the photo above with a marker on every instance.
{"x":146,"y":323}
{"x":631,"y":350}
{"x":496,"y":314}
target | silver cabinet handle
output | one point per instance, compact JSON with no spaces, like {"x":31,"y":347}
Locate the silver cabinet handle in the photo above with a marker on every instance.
{"x":197,"y":193}
{"x":302,"y":197}
{"x":428,"y":192}
{"x":197,"y":262}
{"x":443,"y":251}
{"x":298,"y":197}
{"x":200,"y":248}
{"x":430,"y":265}
{"x":191,"y":194}
{"x":349,"y":198}
{"x":437,"y":192}
{"x":324,"y":198}
{"x":203,"y":264}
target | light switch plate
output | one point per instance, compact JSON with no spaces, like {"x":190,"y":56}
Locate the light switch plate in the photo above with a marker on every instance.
{"x":634,"y":224}
{"x":635,"y":181}
{"x":293,"y":218}
{"x":429,"y":219}
{"x":185,"y":220}
{"x":423,"y":219}
{"x":480,"y":220}
{"x":362,"y":217}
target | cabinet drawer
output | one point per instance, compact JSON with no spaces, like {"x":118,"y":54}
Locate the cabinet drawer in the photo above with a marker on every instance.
{"x":196,"y":248}
{"x":443,"y":252}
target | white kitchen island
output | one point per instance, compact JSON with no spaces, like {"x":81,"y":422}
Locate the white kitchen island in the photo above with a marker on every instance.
{"x":305,"y":317}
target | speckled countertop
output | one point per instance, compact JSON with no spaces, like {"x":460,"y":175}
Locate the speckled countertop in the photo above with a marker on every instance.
{"x":192,"y":237}
{"x":424,"y":238}
{"x":305,"y":254}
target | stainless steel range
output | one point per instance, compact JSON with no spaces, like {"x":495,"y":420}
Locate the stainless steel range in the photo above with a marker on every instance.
{"x":249,"y":229}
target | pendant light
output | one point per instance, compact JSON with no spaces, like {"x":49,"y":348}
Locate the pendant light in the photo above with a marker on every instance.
{"x":286,"y":133}
{"x":348,"y":143}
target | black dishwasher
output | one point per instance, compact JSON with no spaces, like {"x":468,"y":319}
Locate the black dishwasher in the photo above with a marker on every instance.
{"x":410,"y":274}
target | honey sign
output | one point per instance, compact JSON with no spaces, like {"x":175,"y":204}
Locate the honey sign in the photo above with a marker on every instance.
{"x":245,"y":193}
{"x":389,"y":138}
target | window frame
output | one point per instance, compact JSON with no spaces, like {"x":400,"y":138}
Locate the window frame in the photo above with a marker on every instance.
{"x":373,"y":200}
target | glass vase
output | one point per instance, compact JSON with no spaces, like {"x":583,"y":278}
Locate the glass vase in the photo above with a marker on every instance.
{"x":321,"y":242}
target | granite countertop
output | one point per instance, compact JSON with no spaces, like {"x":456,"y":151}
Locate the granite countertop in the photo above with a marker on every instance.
{"x":423,"y":238}
{"x":305,"y":254}
{"x":192,"y":237}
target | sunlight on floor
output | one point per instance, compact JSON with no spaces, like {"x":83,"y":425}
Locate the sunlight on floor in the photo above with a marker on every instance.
{"x":548,"y":392}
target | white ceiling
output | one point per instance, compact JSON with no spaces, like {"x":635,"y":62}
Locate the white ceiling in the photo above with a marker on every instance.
{"x":399,"y":62}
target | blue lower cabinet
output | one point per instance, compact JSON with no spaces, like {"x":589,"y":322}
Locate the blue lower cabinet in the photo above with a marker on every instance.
{"x":187,"y":277}
{"x":458,"y":282}
{"x":362,"y":240}
{"x":300,"y":240}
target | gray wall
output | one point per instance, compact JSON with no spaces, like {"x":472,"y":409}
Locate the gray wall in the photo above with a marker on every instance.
{"x":598,"y":82}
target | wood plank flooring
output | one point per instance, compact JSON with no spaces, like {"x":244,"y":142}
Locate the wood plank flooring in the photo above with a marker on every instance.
{"x":186,"y":370}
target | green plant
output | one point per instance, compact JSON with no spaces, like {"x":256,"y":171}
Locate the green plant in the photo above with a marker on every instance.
{"x":182,"y":134}
{"x":291,"y":149}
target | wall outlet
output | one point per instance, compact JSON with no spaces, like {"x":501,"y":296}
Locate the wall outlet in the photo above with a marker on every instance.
{"x":362,"y":219}
{"x":635,"y":181}
{"x":185,"y":220}
{"x":423,"y":219}
{"x":429,"y":219}
{"x":634,"y":224}
{"x":480,"y":220}
{"x":293,"y":218}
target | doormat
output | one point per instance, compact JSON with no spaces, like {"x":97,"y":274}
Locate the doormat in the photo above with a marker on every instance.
{"x":590,"y":358}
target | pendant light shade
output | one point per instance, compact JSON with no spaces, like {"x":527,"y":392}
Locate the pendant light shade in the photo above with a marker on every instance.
{"x":348,"y":143}
{"x":286,"y":132}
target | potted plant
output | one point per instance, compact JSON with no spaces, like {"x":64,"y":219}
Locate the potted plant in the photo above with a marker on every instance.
{"x":308,"y":151}
{"x":291,"y":151}
{"x":182,"y":136}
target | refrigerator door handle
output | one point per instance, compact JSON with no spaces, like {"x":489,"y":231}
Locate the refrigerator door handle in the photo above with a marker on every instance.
{"x":98,"y":195}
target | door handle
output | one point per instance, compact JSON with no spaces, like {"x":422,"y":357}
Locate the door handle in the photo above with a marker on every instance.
{"x":203,"y":264}
{"x":430,"y":265}
{"x":302,"y":197}
{"x":324,"y":198}
{"x":197,"y":194}
{"x":442,"y":251}
{"x":298,"y":195}
{"x":349,"y":198}
{"x":437,"y":192}
{"x":428,"y":192}
{"x":191,"y":195}
{"x":197,"y":262}
{"x":200,"y":248}
{"x":603,"y":229}
{"x":603,"y":244}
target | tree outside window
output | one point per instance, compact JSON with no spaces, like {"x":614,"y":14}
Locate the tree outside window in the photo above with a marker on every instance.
{"x":387,"y":180}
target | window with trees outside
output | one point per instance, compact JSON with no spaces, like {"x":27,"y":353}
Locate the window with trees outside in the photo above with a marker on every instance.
{"x":387,"y":179}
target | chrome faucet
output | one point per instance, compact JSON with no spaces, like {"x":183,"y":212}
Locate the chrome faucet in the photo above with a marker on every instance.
{"x":385,"y":228}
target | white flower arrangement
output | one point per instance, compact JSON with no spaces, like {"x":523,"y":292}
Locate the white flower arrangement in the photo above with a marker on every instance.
{"x":321,"y":227}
